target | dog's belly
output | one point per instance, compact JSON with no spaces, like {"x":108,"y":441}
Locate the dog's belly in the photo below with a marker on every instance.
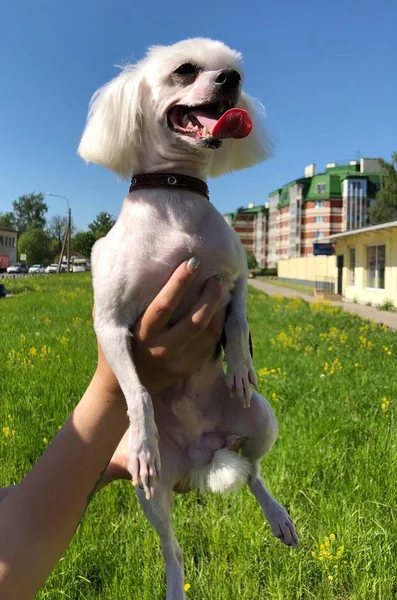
{"x":194,"y":407}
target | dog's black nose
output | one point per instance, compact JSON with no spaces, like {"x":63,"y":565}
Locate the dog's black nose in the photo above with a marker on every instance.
{"x":228,"y":78}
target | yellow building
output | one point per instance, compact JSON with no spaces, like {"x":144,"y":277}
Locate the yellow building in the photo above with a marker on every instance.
{"x":366,"y":264}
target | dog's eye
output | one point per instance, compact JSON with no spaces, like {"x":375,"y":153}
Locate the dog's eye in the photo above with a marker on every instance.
{"x":186,"y":69}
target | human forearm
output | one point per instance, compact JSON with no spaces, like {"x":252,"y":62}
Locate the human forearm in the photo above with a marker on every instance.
{"x":39,"y":517}
{"x":5,"y":491}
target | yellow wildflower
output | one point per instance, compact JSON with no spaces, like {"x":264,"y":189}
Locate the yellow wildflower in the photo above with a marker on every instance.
{"x":33,"y":351}
{"x":187,"y":587}
{"x":385,"y":403}
{"x":330,"y":577}
{"x":45,"y":441}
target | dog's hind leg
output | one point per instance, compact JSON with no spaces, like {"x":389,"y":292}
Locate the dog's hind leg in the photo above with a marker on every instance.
{"x":256,"y":446}
{"x":278,"y":518}
{"x":258,"y":426}
{"x":158,"y":511}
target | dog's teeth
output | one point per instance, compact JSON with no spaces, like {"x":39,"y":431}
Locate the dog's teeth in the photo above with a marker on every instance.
{"x":190,"y":125}
{"x":196,"y":128}
{"x":206,"y":133}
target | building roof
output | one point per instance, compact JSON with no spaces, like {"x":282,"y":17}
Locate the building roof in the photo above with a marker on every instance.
{"x":369,"y":229}
{"x":4,"y":228}
{"x":332,"y":178}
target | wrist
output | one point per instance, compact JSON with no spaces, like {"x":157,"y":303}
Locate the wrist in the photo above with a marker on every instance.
{"x":109,"y":385}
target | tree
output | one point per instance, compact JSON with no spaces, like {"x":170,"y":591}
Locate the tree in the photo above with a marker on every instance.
{"x":102,"y":224}
{"x":385,"y":208}
{"x":36,"y":244}
{"x":29,"y":211}
{"x":8,"y":219}
{"x":251,"y":261}
{"x":83,"y":242}
{"x":57,"y":229}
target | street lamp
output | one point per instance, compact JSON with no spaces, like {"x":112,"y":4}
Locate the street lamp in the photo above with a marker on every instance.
{"x":68,"y":230}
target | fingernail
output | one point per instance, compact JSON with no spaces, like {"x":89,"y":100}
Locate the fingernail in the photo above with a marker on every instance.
{"x":219,"y":278}
{"x":193,"y":264}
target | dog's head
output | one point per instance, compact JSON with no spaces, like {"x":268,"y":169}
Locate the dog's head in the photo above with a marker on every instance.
{"x":167,"y":110}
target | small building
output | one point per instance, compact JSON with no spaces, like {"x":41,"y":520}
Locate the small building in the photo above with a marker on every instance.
{"x":8,"y":247}
{"x":366,"y":262}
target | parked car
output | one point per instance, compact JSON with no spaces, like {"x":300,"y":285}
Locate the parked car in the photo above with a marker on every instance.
{"x":51,"y":268}
{"x":80,"y":265}
{"x":36,"y":269}
{"x":3,"y":291}
{"x":17,"y":268}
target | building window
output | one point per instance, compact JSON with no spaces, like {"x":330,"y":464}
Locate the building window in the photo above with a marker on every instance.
{"x":318,"y":235}
{"x":356,"y":185}
{"x":352,"y":265}
{"x":1,"y":240}
{"x":319,"y":203}
{"x":320,"y":188}
{"x":319,"y":219}
{"x":376,"y":259}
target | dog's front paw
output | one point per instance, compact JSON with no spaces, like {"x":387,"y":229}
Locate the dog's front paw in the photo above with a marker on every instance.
{"x":282,"y":525}
{"x":144,"y":458}
{"x":240,"y":375}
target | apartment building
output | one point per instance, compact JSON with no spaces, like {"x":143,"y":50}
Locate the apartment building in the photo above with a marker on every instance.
{"x":311,"y":208}
{"x":251,"y":226}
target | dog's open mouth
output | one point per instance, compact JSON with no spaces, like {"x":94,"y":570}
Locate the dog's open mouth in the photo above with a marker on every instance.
{"x":216,"y":121}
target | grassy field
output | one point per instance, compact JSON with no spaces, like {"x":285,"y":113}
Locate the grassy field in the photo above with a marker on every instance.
{"x":331,"y":379}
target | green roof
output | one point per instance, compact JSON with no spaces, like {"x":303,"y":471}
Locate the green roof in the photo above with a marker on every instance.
{"x":243,"y":211}
{"x":333,"y":179}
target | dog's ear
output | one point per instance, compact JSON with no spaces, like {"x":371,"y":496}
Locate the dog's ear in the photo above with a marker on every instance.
{"x":238,"y":154}
{"x":113,"y":132}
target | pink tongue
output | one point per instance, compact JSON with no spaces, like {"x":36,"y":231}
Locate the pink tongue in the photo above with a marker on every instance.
{"x":234,"y":123}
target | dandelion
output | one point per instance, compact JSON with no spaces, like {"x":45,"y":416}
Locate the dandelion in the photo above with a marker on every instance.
{"x":330,"y":577}
{"x":187,"y":587}
{"x":356,"y":365}
{"x":8,"y":432}
{"x":387,"y":350}
{"x":64,"y":340}
{"x":33,"y":351}
{"x":275,"y":397}
{"x":364,"y":343}
{"x":45,"y":352}
{"x":45,"y":441}
{"x":385,"y":403}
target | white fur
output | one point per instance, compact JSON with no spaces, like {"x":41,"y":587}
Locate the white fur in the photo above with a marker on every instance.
{"x":227,"y":472}
{"x":127,"y":131}
{"x":131,"y":109}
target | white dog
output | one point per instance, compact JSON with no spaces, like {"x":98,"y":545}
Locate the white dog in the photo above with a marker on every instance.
{"x":170,"y":121}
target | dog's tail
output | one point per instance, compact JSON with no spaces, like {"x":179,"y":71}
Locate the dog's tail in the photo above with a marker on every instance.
{"x":226,"y":472}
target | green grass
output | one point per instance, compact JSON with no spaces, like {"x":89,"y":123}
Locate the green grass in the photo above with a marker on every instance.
{"x":303,"y":289}
{"x":327,"y":374}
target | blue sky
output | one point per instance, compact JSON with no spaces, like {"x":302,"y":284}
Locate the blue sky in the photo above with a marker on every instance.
{"x":325,"y":71}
